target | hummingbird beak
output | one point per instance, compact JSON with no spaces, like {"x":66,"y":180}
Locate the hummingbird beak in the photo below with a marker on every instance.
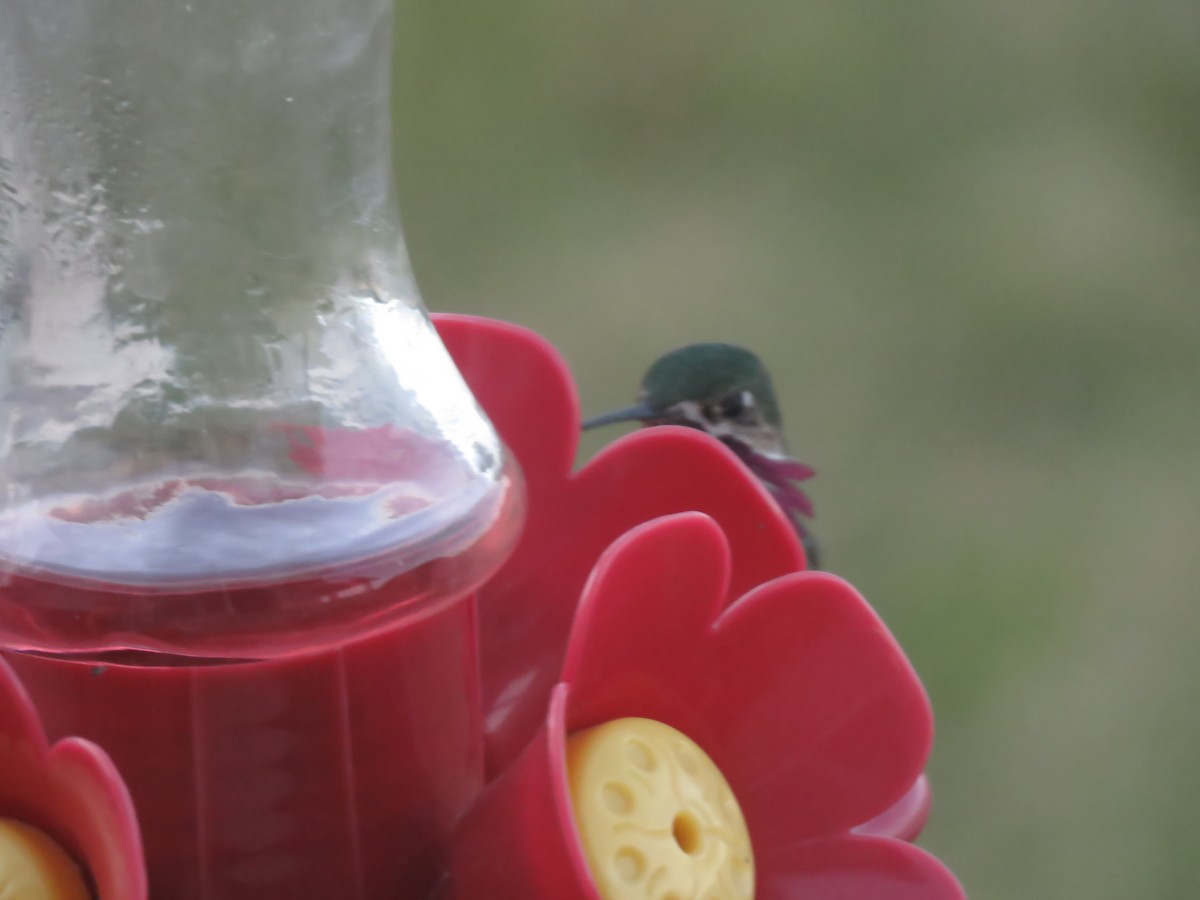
{"x":639,"y":412}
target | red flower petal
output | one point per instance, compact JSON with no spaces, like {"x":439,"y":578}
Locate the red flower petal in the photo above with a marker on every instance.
{"x":853,"y":868}
{"x":797,"y":690}
{"x":527,"y":608}
{"x":525,"y":388}
{"x":518,"y":841}
{"x":72,"y":792}
{"x":905,"y":818}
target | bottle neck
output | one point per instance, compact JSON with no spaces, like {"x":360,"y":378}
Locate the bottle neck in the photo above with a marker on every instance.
{"x":205,"y":156}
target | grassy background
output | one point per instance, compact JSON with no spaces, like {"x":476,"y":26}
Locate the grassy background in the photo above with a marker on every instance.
{"x":965,"y":238}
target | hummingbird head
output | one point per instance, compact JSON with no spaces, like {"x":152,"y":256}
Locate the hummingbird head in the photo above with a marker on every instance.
{"x":727,"y":392}
{"x":718,"y":388}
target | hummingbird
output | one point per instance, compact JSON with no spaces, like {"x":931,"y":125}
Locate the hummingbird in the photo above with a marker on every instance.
{"x":726,"y":391}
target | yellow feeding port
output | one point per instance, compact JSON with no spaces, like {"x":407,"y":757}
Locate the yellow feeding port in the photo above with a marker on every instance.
{"x":656,"y":817}
{"x":34,"y":867}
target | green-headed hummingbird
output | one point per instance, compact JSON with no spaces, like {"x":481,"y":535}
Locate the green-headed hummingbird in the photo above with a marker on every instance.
{"x":727,"y":392}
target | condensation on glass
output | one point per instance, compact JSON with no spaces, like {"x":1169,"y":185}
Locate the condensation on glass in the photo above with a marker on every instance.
{"x":216,"y":375}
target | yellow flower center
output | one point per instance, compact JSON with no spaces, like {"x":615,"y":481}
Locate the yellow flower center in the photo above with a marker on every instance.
{"x":34,"y":867}
{"x":656,"y":818}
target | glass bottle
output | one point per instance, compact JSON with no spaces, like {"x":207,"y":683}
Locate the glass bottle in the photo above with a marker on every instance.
{"x":227,"y":427}
{"x":244,"y":493}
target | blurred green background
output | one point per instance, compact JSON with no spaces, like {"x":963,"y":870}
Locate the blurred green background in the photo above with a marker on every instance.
{"x":966,"y":239}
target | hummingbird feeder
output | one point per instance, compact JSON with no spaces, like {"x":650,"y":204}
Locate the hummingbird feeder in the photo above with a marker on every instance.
{"x":299,"y":594}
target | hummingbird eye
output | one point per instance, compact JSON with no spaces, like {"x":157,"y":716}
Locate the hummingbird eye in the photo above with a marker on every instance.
{"x":737,"y":405}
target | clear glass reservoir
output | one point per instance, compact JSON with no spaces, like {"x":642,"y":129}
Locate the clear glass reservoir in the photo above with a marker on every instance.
{"x":227,"y":426}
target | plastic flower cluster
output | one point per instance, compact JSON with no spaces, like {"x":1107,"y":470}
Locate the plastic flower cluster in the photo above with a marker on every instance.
{"x":660,"y":582}
{"x":663,"y":581}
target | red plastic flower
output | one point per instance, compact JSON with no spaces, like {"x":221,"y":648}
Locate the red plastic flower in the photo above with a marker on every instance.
{"x":796,"y":691}
{"x":72,"y":792}
{"x":527,"y":607}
